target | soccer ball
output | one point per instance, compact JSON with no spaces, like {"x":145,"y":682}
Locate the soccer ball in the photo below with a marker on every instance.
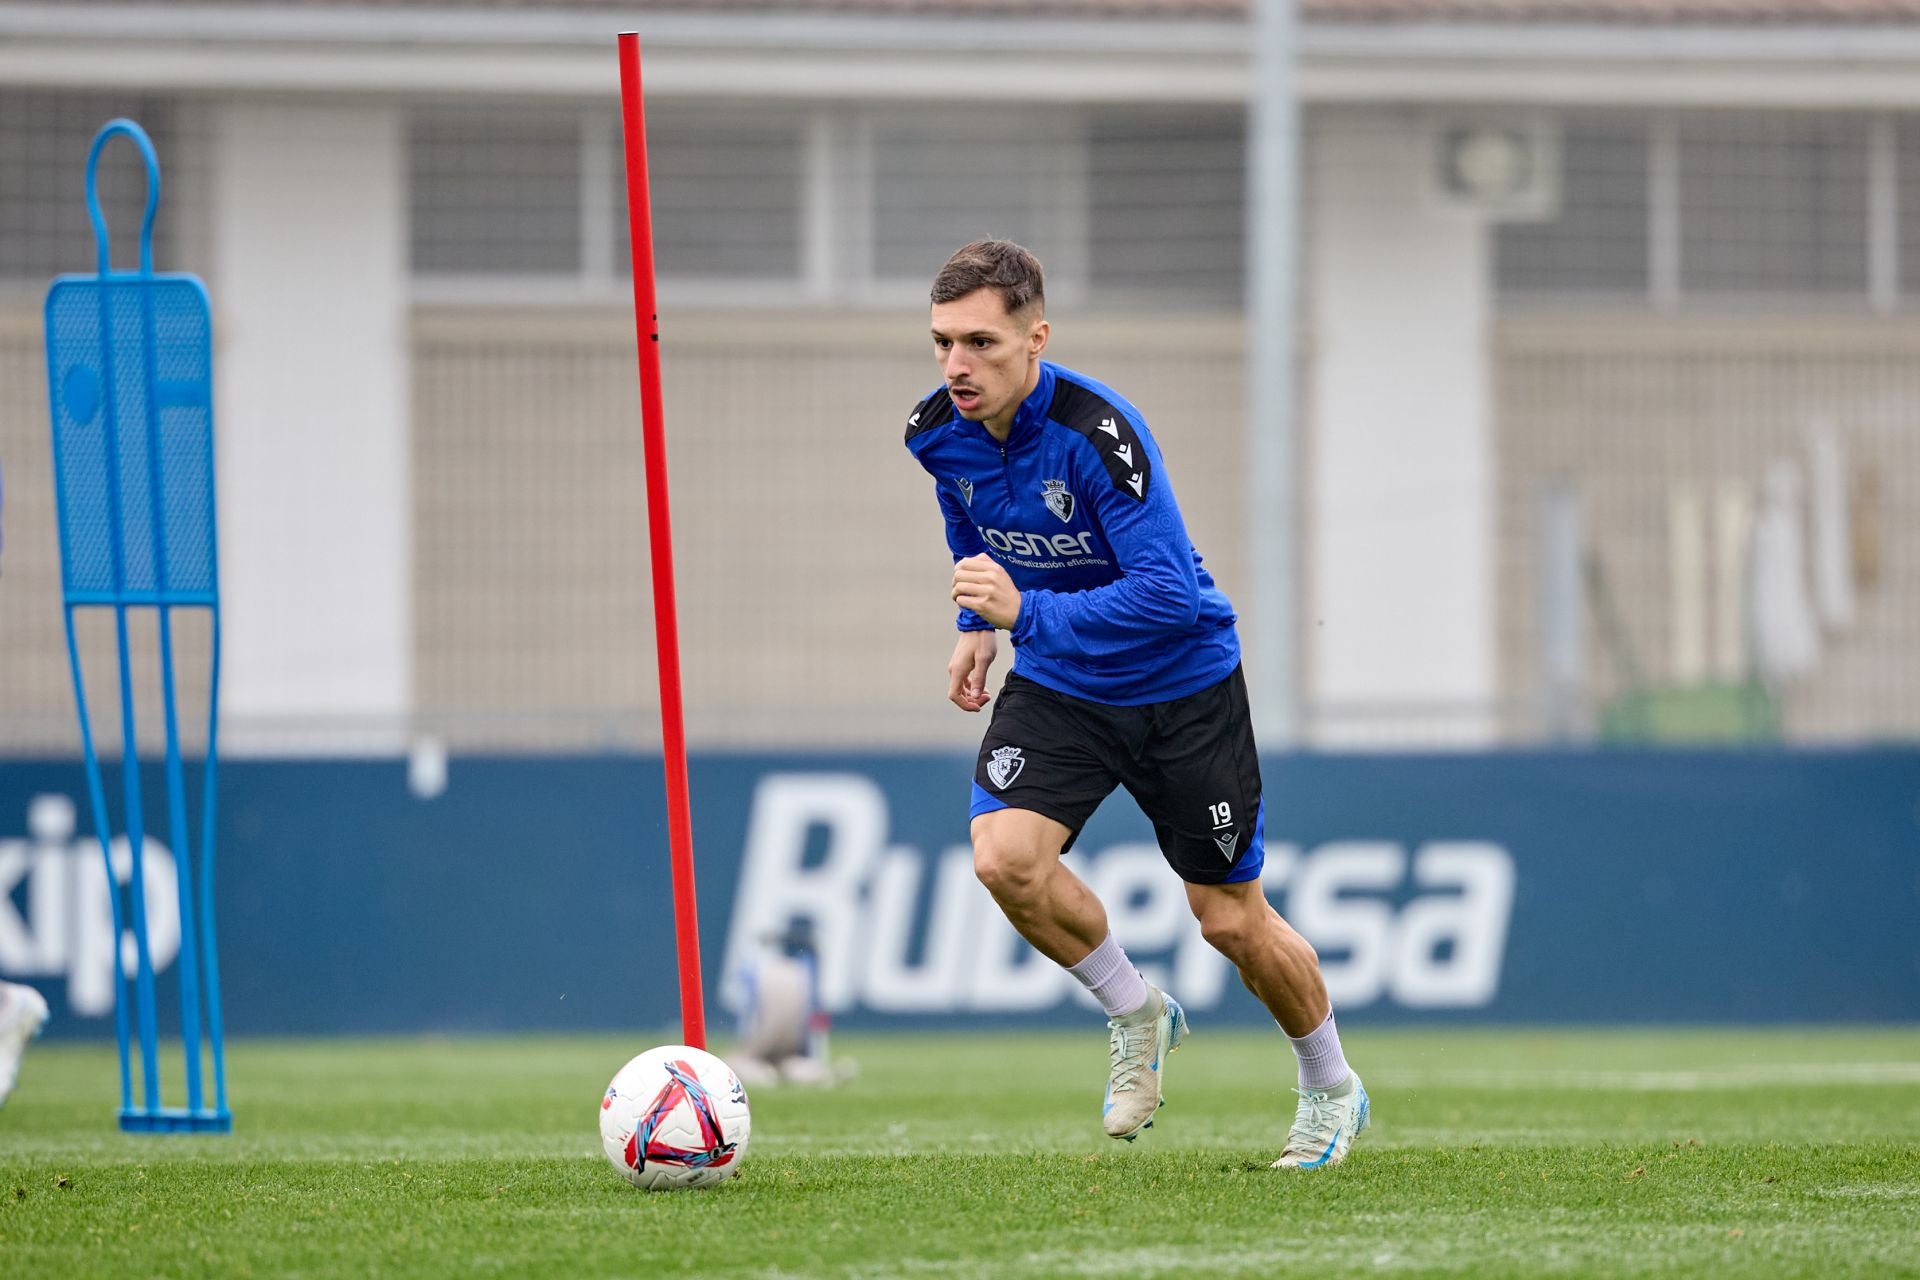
{"x":675,"y":1117}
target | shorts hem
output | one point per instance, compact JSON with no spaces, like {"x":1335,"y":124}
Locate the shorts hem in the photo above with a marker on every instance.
{"x":984,"y":801}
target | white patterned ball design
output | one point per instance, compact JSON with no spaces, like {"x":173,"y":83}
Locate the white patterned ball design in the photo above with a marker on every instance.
{"x":675,"y":1118}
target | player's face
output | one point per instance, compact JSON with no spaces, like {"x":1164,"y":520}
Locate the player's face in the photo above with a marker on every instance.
{"x":990,"y":359}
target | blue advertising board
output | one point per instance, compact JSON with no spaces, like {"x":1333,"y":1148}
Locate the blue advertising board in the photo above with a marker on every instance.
{"x":533,"y":893}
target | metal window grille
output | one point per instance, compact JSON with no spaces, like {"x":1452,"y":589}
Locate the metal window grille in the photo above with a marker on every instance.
{"x":940,"y":182}
{"x":1906,"y":186}
{"x":1773,"y":203}
{"x":727,"y":191}
{"x":1598,"y":244}
{"x":495,"y":192}
{"x":43,"y":214}
{"x":1166,"y":207}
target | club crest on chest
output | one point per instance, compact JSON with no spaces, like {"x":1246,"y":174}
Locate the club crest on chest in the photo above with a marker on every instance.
{"x":1058,"y":500}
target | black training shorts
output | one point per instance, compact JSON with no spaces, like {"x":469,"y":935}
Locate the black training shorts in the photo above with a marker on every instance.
{"x":1190,"y":763}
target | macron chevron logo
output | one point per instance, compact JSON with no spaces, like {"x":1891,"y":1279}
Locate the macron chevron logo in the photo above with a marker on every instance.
{"x":1107,"y":425}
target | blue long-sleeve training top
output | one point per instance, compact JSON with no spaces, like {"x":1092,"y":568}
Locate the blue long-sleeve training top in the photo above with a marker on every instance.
{"x":1115,"y":605}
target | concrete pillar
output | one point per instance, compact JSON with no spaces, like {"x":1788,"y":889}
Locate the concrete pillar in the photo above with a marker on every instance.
{"x":310,"y":309}
{"x":1403,"y":482}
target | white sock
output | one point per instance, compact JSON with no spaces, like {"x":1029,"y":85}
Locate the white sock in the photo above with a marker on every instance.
{"x":1115,"y":983}
{"x":1322,"y":1065}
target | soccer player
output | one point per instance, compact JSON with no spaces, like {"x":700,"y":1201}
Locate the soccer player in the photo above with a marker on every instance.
{"x":1065,"y":534}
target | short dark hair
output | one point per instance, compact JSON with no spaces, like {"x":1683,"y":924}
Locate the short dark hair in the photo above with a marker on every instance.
{"x":1000,"y":265}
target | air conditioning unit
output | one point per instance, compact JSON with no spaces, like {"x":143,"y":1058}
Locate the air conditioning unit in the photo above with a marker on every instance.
{"x":1505,"y":167}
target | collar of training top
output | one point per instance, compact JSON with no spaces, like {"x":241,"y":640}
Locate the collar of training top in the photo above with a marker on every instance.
{"x":1029,"y":417}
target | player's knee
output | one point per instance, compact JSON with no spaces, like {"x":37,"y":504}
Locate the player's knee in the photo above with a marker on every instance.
{"x":1230,"y":926}
{"x":1227,"y":932}
{"x":1010,"y":875}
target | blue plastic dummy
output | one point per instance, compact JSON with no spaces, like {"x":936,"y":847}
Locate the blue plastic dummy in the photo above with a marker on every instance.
{"x":130,"y":382}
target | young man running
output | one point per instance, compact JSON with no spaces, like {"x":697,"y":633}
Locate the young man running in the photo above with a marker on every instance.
{"x":1066,"y":535}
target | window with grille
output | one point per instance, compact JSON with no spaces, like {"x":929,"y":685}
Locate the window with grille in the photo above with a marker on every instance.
{"x":1755,"y":205}
{"x":835,"y":204}
{"x":44,"y":139}
{"x":942,"y":181}
{"x":1597,"y":245}
{"x":541,"y":194}
{"x":1773,"y":203}
{"x":726,"y":196}
{"x":1167,"y":205}
{"x":495,"y":192}
{"x":1907,"y":200}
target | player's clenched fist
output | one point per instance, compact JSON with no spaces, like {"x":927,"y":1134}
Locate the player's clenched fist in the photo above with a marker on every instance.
{"x":980,"y":584}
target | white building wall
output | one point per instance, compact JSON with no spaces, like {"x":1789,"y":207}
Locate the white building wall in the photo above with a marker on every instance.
{"x":1402,"y":574}
{"x":310,"y":307}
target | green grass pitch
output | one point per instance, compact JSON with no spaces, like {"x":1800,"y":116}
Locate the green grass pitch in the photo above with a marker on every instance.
{"x":1578,"y":1153}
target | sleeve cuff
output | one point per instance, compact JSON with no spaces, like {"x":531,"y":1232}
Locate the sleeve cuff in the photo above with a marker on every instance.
{"x":1023,"y":625}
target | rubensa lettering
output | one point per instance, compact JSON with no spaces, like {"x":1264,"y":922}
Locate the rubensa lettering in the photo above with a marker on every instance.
{"x":905,"y":931}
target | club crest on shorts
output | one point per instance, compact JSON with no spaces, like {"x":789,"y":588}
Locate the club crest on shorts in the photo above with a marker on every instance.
{"x":1058,"y":500}
{"x":1005,"y":766}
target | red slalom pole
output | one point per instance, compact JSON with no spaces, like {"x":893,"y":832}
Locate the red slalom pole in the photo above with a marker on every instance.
{"x":673,"y":729}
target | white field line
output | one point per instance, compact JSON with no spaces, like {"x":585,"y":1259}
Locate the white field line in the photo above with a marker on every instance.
{"x":1746,"y":1076}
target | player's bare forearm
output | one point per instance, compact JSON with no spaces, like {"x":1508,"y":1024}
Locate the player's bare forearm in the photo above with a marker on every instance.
{"x":980,"y":584}
{"x":967,"y":670}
